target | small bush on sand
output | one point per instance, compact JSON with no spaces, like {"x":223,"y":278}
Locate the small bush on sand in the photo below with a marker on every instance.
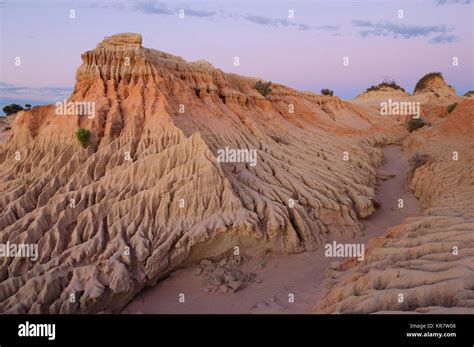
{"x":263,"y":88}
{"x":327,"y":92}
{"x":25,"y":181}
{"x":83,"y":136}
{"x":388,"y":83}
{"x":415,"y":124}
{"x":452,"y":107}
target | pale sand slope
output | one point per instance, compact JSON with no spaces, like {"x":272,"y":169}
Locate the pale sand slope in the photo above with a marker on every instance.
{"x":5,"y":127}
{"x":300,"y":274}
{"x":428,"y":259}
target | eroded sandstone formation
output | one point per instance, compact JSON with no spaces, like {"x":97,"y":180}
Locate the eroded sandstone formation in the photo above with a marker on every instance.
{"x":434,"y":83}
{"x":383,"y":92}
{"x":148,"y":195}
{"x":426,"y":264}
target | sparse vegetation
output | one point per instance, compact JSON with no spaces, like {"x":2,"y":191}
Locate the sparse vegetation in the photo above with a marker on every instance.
{"x":452,"y":107}
{"x":263,"y":88}
{"x":25,"y":181}
{"x":83,"y":136}
{"x":386,"y":83}
{"x":415,"y":124}
{"x":469,"y":93}
{"x":12,"y":109}
{"x":327,"y":91}
{"x":422,"y":83}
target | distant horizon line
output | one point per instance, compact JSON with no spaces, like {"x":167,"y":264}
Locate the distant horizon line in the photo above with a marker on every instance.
{"x":6,"y":100}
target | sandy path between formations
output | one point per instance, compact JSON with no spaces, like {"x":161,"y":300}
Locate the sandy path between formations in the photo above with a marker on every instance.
{"x":298,"y":274}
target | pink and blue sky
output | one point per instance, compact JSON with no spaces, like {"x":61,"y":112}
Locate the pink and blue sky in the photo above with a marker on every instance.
{"x":305,"y":52}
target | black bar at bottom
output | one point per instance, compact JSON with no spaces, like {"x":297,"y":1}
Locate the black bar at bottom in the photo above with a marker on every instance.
{"x":156,"y":330}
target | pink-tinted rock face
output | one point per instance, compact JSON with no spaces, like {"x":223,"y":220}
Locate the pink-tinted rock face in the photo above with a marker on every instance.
{"x":151,"y":193}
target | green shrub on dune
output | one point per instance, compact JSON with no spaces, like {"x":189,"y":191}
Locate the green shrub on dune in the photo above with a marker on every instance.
{"x":452,"y":107}
{"x":83,"y":136}
{"x":263,"y":88}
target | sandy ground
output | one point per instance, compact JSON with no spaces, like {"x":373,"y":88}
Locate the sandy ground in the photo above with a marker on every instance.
{"x":4,"y":135}
{"x":5,"y":127}
{"x":279,"y":276}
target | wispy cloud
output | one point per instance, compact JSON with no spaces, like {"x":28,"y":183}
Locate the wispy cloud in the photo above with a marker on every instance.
{"x":444,"y":39}
{"x":279,"y":22}
{"x":162,"y":9}
{"x":275,"y":22}
{"x":265,"y":20}
{"x":158,"y":8}
{"x":49,"y":93}
{"x":329,"y":27}
{"x":117,"y":5}
{"x":199,"y":13}
{"x":386,"y":28}
{"x":453,"y":2}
